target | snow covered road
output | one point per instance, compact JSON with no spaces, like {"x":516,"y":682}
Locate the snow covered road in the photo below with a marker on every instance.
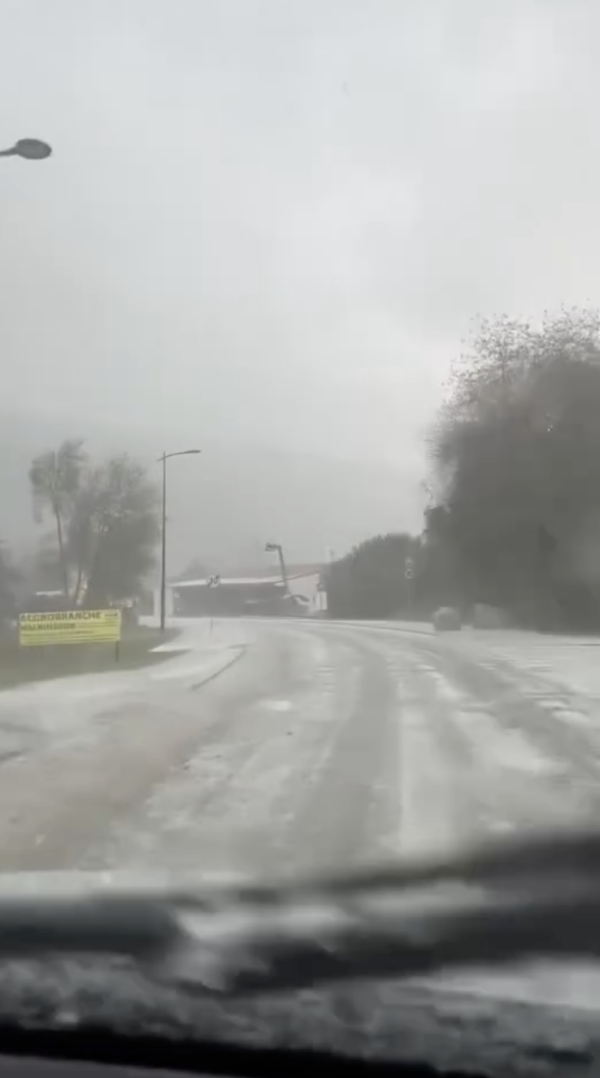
{"x":277,"y":747}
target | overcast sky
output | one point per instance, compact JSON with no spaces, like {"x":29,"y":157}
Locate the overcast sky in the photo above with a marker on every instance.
{"x":275,"y":219}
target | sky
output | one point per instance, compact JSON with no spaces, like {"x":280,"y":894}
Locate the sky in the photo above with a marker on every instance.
{"x":274,"y":221}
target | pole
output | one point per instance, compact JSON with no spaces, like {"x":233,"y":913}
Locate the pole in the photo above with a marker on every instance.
{"x":283,"y":569}
{"x":163,"y":559}
{"x":408,"y":576}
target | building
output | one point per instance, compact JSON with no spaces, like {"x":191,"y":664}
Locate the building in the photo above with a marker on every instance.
{"x":252,"y":595}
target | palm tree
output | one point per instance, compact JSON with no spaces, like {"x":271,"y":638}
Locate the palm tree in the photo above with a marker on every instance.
{"x":55,"y":478}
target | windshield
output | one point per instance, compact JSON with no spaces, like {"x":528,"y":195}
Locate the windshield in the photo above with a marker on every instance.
{"x":300,"y":429}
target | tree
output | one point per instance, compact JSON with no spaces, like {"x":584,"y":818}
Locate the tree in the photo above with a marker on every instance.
{"x":112,"y":531}
{"x":55,"y":477}
{"x":106,"y":521}
{"x":9,"y":579}
{"x":437,"y":576}
{"x":370,"y":582}
{"x":517,"y":452}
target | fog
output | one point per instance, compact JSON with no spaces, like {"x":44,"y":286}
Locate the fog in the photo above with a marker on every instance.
{"x":266,"y":227}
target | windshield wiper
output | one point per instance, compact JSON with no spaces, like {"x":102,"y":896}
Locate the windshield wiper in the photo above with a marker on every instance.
{"x":539,"y":899}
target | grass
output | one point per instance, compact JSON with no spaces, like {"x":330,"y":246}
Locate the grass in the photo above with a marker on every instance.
{"x":21,"y":665}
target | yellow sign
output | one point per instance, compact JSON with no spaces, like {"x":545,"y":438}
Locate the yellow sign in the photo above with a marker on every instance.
{"x":70,"y":627}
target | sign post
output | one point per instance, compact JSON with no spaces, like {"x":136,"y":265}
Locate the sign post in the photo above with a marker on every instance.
{"x":213,"y":582}
{"x":409,"y":572}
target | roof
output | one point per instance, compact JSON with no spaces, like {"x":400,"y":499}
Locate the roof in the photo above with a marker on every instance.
{"x":241,"y":581}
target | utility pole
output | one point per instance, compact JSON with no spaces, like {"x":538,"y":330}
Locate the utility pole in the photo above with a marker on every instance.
{"x":278,"y":549}
{"x":163,"y":552}
{"x":163,"y":547}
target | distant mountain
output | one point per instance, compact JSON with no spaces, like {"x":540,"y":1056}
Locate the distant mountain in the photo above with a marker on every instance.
{"x":225,"y":504}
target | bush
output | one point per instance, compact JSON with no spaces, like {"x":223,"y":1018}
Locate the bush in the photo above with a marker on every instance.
{"x":447,"y":619}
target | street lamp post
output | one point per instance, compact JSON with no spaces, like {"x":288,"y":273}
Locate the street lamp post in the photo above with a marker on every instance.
{"x":163,"y":557}
{"x":33,"y":149}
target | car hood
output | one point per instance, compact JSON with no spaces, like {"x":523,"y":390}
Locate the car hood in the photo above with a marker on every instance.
{"x":451,"y":1028}
{"x":505,"y":1023}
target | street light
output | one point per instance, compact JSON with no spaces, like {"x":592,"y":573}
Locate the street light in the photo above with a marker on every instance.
{"x":163,"y":564}
{"x":31,"y":148}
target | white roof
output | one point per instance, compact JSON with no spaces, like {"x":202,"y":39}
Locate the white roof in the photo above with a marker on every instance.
{"x":203,"y":582}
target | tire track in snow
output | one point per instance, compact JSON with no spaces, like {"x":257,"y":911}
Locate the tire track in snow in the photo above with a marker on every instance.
{"x":235,"y":805}
{"x":522,"y":702}
{"x":535,"y":771}
{"x":351,"y":817}
{"x":470,"y":766}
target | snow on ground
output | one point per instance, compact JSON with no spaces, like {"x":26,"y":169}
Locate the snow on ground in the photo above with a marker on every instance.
{"x":62,"y":707}
{"x":489,"y":745}
{"x":318,"y":746}
{"x":562,"y":671}
{"x":442,"y":739}
{"x":244,"y":801}
{"x":498,"y":733}
{"x":570,"y":663}
{"x":75,"y":751}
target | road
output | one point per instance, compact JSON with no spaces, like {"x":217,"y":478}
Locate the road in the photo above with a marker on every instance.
{"x":277,"y":747}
